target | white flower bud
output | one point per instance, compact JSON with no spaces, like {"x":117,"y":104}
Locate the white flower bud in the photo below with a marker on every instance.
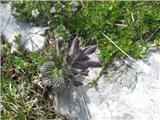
{"x":35,"y":12}
{"x":53,"y":10}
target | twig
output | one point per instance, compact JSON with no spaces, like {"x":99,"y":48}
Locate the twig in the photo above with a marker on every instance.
{"x":84,"y":103}
{"x":36,"y":33}
{"x":34,"y":44}
{"x":16,"y":108}
{"x":119,"y":47}
{"x":121,"y":25}
{"x":153,"y":34}
{"x":7,"y":23}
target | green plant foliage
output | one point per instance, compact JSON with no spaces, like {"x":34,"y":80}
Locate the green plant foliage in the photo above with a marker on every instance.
{"x":25,"y":10}
{"x":128,"y":24}
{"x":61,"y":31}
{"x":124,"y":22}
{"x":21,"y":97}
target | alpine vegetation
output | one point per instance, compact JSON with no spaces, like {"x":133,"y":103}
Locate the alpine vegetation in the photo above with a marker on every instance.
{"x":70,"y":60}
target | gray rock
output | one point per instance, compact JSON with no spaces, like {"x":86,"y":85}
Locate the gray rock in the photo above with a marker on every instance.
{"x":123,"y":94}
{"x":32,"y":36}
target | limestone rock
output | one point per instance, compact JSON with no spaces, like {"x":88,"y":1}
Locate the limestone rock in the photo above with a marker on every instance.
{"x":32,"y":36}
{"x":123,"y":94}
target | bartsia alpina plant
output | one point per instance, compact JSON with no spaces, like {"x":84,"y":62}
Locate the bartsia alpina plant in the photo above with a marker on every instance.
{"x":70,"y":60}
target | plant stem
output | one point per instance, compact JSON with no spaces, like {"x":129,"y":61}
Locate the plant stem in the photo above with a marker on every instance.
{"x":84,"y":103}
{"x":119,"y":48}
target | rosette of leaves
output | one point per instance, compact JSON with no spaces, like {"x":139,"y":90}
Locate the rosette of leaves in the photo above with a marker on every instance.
{"x":70,"y":60}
